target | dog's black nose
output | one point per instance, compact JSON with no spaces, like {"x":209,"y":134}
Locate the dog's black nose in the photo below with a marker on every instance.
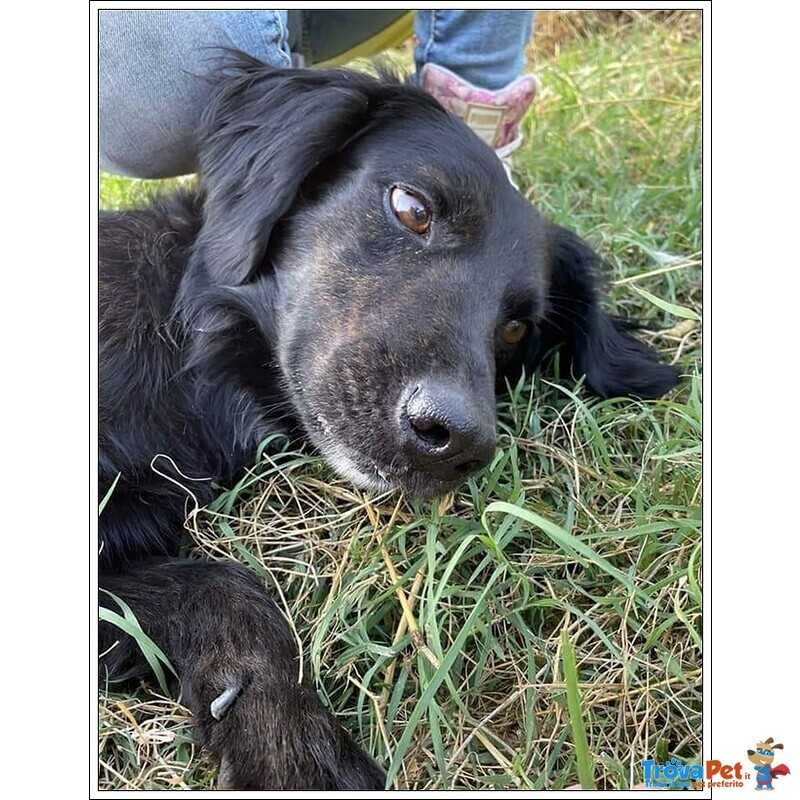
{"x":444,"y":432}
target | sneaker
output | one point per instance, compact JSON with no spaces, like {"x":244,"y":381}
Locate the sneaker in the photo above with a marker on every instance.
{"x":494,"y":116}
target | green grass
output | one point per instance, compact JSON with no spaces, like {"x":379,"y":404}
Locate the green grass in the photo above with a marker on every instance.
{"x":545,"y":621}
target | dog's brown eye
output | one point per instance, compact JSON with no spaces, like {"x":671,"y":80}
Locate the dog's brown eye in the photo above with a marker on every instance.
{"x":514,"y":331}
{"x":410,"y":210}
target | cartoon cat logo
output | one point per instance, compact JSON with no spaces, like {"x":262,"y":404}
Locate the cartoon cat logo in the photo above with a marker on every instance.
{"x":762,"y":757}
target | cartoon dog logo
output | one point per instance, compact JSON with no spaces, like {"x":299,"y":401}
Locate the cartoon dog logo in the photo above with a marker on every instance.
{"x":762,"y":757}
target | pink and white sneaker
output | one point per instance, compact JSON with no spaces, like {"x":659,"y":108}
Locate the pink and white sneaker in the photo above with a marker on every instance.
{"x":494,"y":116}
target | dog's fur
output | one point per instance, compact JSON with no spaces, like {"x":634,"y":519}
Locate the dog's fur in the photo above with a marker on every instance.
{"x":285,"y":294}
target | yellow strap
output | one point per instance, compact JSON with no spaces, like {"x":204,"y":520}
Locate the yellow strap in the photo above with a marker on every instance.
{"x":393,"y":35}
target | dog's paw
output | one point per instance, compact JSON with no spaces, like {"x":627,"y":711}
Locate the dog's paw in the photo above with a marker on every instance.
{"x":237,"y":661}
{"x":268,"y":737}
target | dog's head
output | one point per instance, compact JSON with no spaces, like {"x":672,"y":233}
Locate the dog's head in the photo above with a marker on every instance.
{"x":764,"y":753}
{"x":407,"y":277}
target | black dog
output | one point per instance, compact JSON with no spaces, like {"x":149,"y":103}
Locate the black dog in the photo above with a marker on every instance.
{"x":355,"y":267}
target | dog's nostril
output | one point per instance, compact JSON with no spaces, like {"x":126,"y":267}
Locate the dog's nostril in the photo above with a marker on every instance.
{"x":430,"y":431}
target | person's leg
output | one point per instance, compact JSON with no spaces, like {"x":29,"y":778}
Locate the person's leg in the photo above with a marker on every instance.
{"x":471,"y":61}
{"x":484,"y":48}
{"x":153,"y":88}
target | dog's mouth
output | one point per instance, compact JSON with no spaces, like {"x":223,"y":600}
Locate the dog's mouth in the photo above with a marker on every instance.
{"x":364,"y":474}
{"x":367,"y":474}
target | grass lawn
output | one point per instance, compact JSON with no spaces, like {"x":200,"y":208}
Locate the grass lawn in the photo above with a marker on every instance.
{"x":546,"y":619}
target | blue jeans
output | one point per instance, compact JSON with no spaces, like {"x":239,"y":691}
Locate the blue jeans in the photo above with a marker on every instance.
{"x":486,"y":48}
{"x":153,"y":66}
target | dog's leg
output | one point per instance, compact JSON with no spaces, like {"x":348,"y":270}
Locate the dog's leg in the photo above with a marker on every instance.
{"x":237,"y":664}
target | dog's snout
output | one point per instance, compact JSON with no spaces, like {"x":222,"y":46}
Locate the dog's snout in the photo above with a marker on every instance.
{"x":444,"y":431}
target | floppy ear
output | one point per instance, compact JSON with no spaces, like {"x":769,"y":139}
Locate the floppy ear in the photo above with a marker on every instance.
{"x":614,"y":362}
{"x":264,"y":131}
